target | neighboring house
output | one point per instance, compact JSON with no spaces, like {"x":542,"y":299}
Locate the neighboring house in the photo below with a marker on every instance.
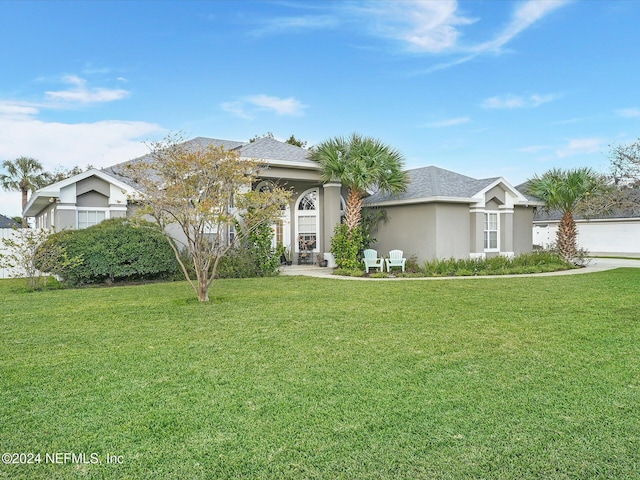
{"x":443,"y":214}
{"x":615,"y":234}
{"x":8,"y":228}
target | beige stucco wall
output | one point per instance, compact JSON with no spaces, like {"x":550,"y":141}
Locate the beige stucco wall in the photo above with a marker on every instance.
{"x":290,"y":173}
{"x":427,"y":231}
{"x":93,"y":184}
{"x":92,"y":199}
{"x":522,"y":231}
{"x":497,"y":192}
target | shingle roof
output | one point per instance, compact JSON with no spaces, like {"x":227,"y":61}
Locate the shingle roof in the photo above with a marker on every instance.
{"x":6,"y":222}
{"x":270,"y":149}
{"x":261,"y":149}
{"x":523,"y":188}
{"x":117,"y":170}
{"x":429,"y":182}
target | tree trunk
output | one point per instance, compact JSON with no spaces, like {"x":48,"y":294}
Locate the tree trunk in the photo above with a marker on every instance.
{"x":353,"y":210}
{"x":566,"y":237}
{"x":203,"y":291}
{"x":24,"y":192}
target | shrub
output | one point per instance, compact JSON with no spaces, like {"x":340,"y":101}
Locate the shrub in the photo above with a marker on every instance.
{"x":535,"y":262}
{"x":114,"y":250}
{"x":238,"y":262}
{"x":345,"y":246}
{"x":266,"y":258}
{"x":349,"y":272}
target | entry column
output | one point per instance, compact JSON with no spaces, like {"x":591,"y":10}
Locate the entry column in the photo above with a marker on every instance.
{"x":331,"y":212}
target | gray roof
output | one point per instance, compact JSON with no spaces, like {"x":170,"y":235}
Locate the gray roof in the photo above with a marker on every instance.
{"x":261,"y":149}
{"x":270,"y":149}
{"x":523,"y":188}
{"x":6,"y":222}
{"x":429,"y":182}
{"x":117,"y":171}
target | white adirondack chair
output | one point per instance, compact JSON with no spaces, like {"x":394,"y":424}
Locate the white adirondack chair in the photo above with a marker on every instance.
{"x":371,"y":260}
{"x":395,"y":260}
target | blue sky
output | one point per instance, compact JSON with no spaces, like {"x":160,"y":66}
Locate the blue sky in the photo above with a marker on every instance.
{"x":483,"y":88}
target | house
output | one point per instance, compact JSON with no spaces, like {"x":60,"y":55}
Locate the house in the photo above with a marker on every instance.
{"x":617,"y":233}
{"x":442,"y":214}
{"x":307,"y":223}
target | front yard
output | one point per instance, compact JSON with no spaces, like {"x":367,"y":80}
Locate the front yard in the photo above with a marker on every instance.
{"x":318,"y":378}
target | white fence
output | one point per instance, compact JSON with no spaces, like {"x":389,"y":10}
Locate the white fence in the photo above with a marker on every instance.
{"x":8,"y":272}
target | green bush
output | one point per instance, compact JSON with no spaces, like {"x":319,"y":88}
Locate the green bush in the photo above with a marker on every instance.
{"x":345,"y":246}
{"x":349,"y":272}
{"x":114,"y":250}
{"x":535,"y":262}
{"x":239,"y":262}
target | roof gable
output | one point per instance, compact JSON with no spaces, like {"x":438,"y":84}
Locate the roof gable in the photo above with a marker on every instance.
{"x":42,"y":197}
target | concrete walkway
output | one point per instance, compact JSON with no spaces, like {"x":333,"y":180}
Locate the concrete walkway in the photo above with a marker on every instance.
{"x":595,"y":265}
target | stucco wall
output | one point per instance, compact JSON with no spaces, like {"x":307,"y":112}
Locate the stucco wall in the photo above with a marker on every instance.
{"x":92,"y":199}
{"x":453,"y":231}
{"x":522,"y":233}
{"x":93,"y":184}
{"x":408,"y":228}
{"x":428,"y":231}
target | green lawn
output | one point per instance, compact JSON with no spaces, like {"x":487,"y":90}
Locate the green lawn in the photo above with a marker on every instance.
{"x":325,"y":378}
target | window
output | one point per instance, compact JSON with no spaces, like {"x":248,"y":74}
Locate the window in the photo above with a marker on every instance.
{"x":88,"y":218}
{"x":307,"y":221}
{"x":491,"y":231}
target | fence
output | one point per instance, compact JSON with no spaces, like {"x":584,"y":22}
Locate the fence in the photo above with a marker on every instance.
{"x":8,"y":272}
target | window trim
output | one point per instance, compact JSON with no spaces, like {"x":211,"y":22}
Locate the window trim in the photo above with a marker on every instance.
{"x":305,"y":213}
{"x":91,"y":209}
{"x":486,"y":230}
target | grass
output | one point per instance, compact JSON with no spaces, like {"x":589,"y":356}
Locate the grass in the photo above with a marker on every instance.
{"x":321,"y":378}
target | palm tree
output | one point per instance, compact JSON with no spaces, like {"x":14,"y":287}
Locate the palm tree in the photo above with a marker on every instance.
{"x":24,"y":174}
{"x":565,"y":190}
{"x":360,"y":164}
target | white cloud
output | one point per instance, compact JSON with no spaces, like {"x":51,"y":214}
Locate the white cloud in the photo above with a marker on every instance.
{"x":79,"y":93}
{"x":629,"y":112}
{"x":17,"y":110}
{"x":448,"y":122}
{"x":578,"y":146}
{"x":295,"y":24}
{"x":524,"y":15}
{"x":518,"y":101}
{"x":246,"y":108}
{"x":281,"y":106}
{"x":424,"y":26}
{"x":60,"y":144}
{"x":237,"y":109}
